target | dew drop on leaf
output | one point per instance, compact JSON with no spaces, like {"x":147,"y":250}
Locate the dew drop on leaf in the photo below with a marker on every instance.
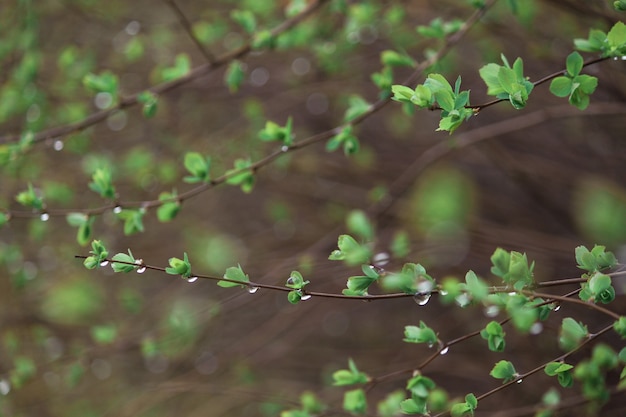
{"x":252,"y":290}
{"x":192,"y":279}
{"x":291,"y":281}
{"x":421,"y":299}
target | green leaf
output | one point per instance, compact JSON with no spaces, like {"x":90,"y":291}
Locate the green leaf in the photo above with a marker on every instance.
{"x":242,"y":176}
{"x":296,"y":281}
{"x":180,"y":267}
{"x":476,"y":287}
{"x":245,"y":18}
{"x":127,"y":259}
{"x":198,"y":166}
{"x":350,"y":251}
{"x":4,"y":218}
{"x":168,"y":209}
{"x":349,"y":376}
{"x":617,"y":39}
{"x":574,"y":63}
{"x":504,"y":370}
{"x":357,"y":106}
{"x":133,"y":220}
{"x":234,"y":76}
{"x":494,"y":335}
{"x":105,"y":334}
{"x":275,"y":132}
{"x":572,"y":333}
{"x":394,"y":59}
{"x":358,"y":285}
{"x":360,"y":225}
{"x":101,"y":183}
{"x":150,"y":103}
{"x":421,"y":334}
{"x":355,"y":401}
{"x":561,"y":86}
{"x":29,"y":198}
{"x":234,"y":274}
{"x":105,"y":82}
{"x":489,"y":74}
{"x":182,"y":66}
{"x":620,"y":327}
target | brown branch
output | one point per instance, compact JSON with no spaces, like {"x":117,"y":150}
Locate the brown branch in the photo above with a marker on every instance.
{"x":184,"y":22}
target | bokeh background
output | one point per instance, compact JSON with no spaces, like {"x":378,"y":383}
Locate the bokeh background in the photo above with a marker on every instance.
{"x":542,"y":180}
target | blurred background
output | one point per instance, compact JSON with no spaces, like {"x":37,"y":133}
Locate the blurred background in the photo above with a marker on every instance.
{"x":542,"y":180}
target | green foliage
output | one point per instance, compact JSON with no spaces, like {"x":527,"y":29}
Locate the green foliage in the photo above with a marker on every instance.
{"x":234,"y":277}
{"x":180,"y":267}
{"x":123,"y":262}
{"x":350,"y":251}
{"x":359,"y":225}
{"x":241,"y":175}
{"x":275,"y":132}
{"x":297,"y":283}
{"x":412,"y":279}
{"x":234,"y":76}
{"x":598,"y":289}
{"x":562,"y":371}
{"x":421,"y":389}
{"x":198,"y":166}
{"x":506,"y":82}
{"x":465,"y":408}
{"x":350,"y":376}
{"x":505,"y":371}
{"x":102,"y":183}
{"x":571,"y":334}
{"x":244,"y":18}
{"x":513,"y":268}
{"x":181,"y":67}
{"x":105,"y":334}
{"x":133,"y":220}
{"x":170,"y":206}
{"x":84,"y":223}
{"x":30,"y":198}
{"x":421,"y":334}
{"x":594,"y":260}
{"x":344,"y":139}
{"x":439,"y":29}
{"x":98,"y":255}
{"x":150,"y":103}
{"x":578,"y":87}
{"x":494,"y":335}
{"x":609,"y":45}
{"x":355,"y":401}
{"x":105,"y":82}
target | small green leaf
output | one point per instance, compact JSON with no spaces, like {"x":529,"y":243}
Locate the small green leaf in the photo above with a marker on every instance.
{"x":180,"y":267}
{"x":182,"y":66}
{"x":127,"y":259}
{"x":349,"y":376}
{"x":198,"y":166}
{"x":395,"y":59}
{"x":133,"y":220}
{"x":355,"y":401}
{"x":421,"y":334}
{"x":150,"y":102}
{"x":29,"y":198}
{"x":101,"y":183}
{"x":504,"y":370}
{"x":360,"y":225}
{"x":574,"y":63}
{"x":234,"y":274}
{"x":105,"y":334}
{"x":245,"y":18}
{"x":234,"y":76}
{"x":241,"y":176}
{"x":357,"y":106}
{"x":572,"y":333}
{"x":168,"y":209}
{"x":561,"y":86}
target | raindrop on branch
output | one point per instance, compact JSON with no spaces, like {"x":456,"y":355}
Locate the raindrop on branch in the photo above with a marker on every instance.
{"x":306,"y":297}
{"x":141,"y":269}
{"x":252,"y":290}
{"x":444,"y":350}
{"x":421,"y":299}
{"x":192,"y":279}
{"x":104,"y":263}
{"x":44,"y":217}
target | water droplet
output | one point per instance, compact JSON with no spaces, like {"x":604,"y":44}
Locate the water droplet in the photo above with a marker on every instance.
{"x":444,"y":350}
{"x":381,"y":259}
{"x":421,"y":299}
{"x":536,"y":328}
{"x":512,"y":293}
{"x":291,"y":281}
{"x":284,"y":148}
{"x":462,"y":300}
{"x":44,"y":217}
{"x":558,"y":307}
{"x":5,"y":386}
{"x":519,"y":381}
{"x":443,"y":292}
{"x":424,"y":286}
{"x":117,"y":209}
{"x":252,"y":290}
{"x":306,"y":297}
{"x":192,"y":279}
{"x":492,"y":311}
{"x":141,"y":269}
{"x":58,"y":145}
{"x":104,"y":263}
